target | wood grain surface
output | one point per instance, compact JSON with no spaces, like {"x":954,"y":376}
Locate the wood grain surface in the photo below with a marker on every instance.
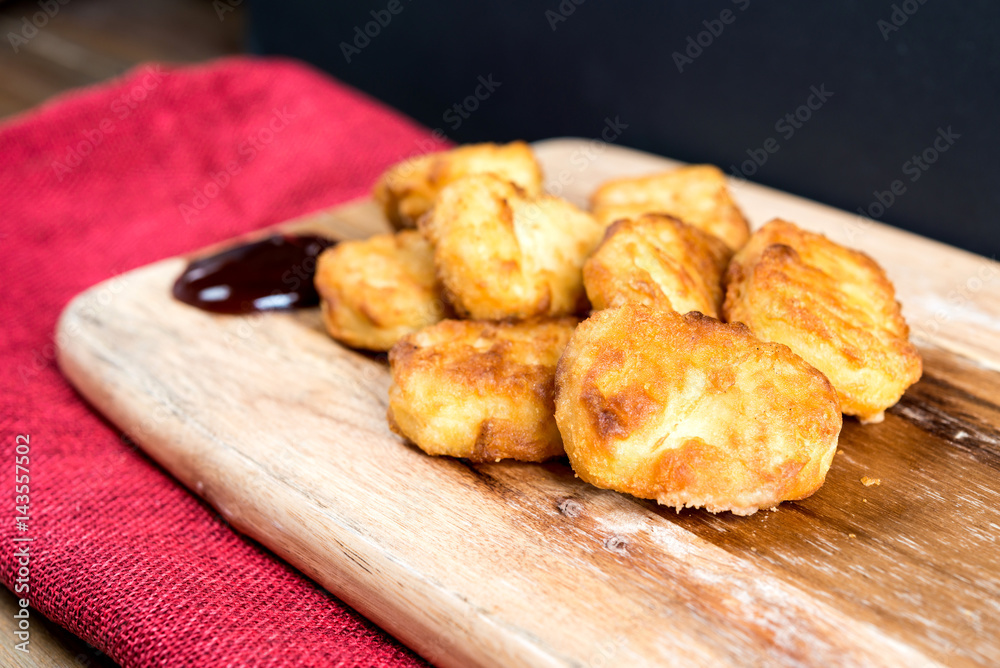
{"x":87,"y":42}
{"x":508,"y":564}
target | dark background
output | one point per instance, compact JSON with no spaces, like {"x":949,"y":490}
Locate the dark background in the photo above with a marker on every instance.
{"x":940,"y":69}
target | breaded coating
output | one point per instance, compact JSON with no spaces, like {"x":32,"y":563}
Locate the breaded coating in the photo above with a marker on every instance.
{"x":502,"y":254}
{"x":660,"y":261}
{"x":697,"y":194}
{"x":407,"y":190}
{"x":833,"y":306}
{"x":480,"y":390}
{"x":379,"y":289}
{"x":693,"y":412}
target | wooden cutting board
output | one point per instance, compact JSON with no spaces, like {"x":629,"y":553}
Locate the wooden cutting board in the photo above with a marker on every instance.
{"x":284,"y":432}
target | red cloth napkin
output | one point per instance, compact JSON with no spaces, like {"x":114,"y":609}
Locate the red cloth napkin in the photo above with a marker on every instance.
{"x":96,"y":183}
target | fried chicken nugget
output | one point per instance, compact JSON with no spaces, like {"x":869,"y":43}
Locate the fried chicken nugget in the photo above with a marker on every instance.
{"x":697,"y":194}
{"x":481,"y":390}
{"x":376,"y":290}
{"x":657,"y":260}
{"x":693,"y":412}
{"x":502,"y":254}
{"x":833,"y":306}
{"x":407,"y":190}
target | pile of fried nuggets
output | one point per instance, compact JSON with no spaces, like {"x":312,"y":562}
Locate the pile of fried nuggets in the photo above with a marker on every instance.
{"x":712,"y":371}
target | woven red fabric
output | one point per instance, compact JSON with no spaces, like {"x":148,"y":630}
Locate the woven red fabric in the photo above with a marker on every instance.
{"x":99,"y":182}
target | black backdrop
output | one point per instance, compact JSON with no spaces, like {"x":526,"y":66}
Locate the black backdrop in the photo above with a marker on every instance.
{"x":702,"y":82}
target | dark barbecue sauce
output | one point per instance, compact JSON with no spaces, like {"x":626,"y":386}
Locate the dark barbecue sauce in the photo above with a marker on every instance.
{"x":275,"y":273}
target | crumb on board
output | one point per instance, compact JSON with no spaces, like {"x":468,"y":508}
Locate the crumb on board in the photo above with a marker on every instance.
{"x":840,"y":452}
{"x":868,"y":482}
{"x":851,"y":535}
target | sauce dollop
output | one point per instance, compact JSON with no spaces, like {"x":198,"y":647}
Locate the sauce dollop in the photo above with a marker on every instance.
{"x":272,"y":274}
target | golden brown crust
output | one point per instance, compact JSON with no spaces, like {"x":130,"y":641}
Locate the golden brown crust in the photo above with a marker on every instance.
{"x":481,"y":390}
{"x":697,"y":194}
{"x":501,"y":254}
{"x":377,"y":290}
{"x":657,"y":260}
{"x":693,"y":412}
{"x":833,"y":306}
{"x":407,"y":190}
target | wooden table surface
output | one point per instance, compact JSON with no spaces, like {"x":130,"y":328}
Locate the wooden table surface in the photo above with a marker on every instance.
{"x":87,"y":42}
